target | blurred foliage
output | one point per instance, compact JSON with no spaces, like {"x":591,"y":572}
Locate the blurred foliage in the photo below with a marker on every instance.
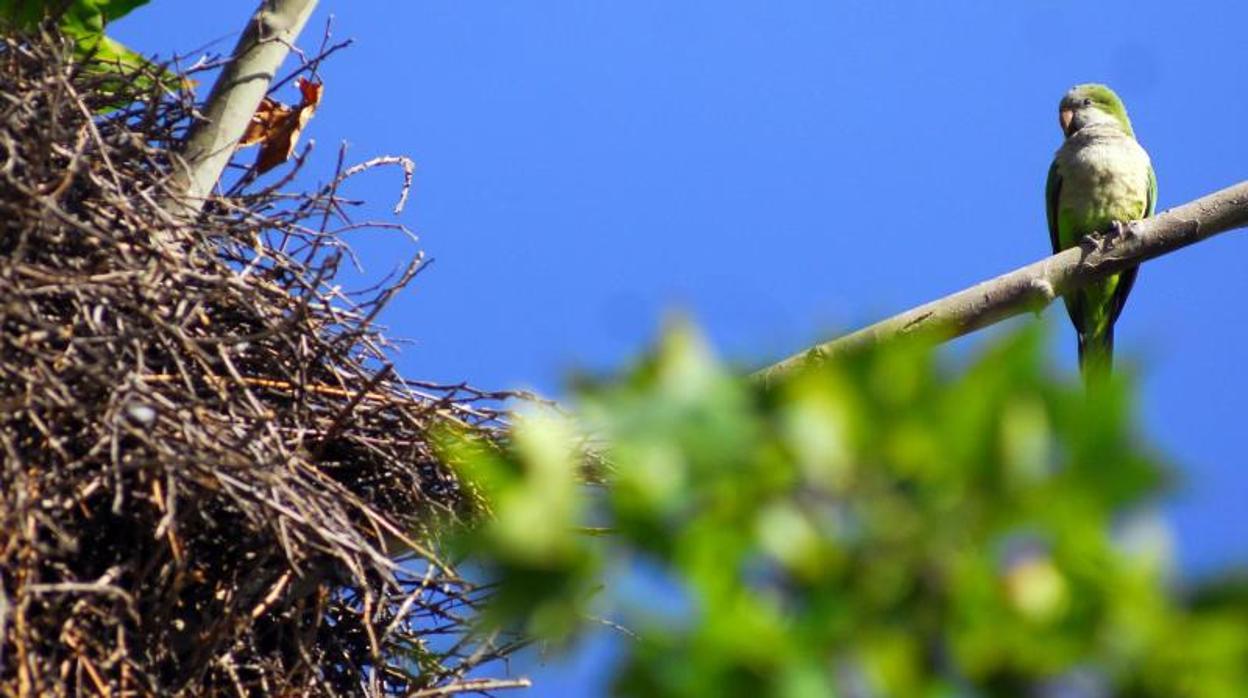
{"x":881,"y":526}
{"x":83,"y":23}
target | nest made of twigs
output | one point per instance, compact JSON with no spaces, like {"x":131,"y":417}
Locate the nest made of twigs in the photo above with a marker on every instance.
{"x":204,"y":446}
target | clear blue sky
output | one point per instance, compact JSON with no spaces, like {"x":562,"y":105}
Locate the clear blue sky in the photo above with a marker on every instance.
{"x":780,"y":170}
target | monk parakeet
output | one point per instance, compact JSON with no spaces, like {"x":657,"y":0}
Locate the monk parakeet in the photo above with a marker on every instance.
{"x":1100,"y":179}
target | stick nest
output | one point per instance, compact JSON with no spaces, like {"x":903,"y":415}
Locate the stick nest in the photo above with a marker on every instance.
{"x":208,"y":462}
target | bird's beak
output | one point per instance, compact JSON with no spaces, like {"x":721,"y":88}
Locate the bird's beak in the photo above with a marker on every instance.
{"x":1064,"y":117}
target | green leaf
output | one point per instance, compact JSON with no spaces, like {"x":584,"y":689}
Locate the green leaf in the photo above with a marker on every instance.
{"x":881,"y":525}
{"x":77,"y":16}
{"x":84,"y":22}
{"x":113,"y":10}
{"x":24,"y":15}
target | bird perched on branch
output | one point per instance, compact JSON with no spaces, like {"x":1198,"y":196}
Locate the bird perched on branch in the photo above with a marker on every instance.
{"x":1100,"y":179}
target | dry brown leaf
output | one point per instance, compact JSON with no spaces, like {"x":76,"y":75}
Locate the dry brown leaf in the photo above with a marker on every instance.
{"x":276,"y":126}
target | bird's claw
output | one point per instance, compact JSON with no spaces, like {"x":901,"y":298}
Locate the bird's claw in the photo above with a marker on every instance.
{"x":1122,"y":230}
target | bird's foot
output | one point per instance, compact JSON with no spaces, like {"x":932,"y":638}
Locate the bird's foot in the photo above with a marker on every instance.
{"x":1122,"y":230}
{"x":1094,"y":242}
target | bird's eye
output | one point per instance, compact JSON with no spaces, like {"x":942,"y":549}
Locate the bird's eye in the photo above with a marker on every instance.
{"x":1087,"y":102}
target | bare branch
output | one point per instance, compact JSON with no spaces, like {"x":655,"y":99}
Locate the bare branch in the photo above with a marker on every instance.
{"x":234,"y":98}
{"x":471,"y":686}
{"x":1034,"y":286}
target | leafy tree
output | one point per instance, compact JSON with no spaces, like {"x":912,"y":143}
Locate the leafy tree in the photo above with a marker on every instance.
{"x":878,"y":526}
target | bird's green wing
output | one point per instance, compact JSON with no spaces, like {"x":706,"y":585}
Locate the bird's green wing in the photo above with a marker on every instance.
{"x":1052,"y":193}
{"x":1151,"y":207}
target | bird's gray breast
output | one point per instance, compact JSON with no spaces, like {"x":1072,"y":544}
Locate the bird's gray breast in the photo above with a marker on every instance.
{"x":1104,"y":169}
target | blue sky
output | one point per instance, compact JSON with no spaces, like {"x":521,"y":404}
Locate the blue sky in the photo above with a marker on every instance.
{"x":781,"y":171}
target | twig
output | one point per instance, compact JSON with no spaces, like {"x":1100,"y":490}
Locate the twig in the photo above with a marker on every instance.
{"x":471,"y":686}
{"x":406,"y":163}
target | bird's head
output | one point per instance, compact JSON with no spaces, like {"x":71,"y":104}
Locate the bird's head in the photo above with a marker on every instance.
{"x":1090,"y":104}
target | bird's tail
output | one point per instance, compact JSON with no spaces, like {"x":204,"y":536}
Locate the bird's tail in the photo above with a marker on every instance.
{"x":1096,"y":353}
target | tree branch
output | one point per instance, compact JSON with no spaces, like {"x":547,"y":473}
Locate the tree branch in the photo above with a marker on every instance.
{"x":234,"y":98}
{"x":1034,"y":286}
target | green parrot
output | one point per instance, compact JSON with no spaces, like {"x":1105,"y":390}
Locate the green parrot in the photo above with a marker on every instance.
{"x":1100,"y":179}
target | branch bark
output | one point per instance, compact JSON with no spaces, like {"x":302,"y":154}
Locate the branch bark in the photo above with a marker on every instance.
{"x":234,"y":98}
{"x":1034,"y":286}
